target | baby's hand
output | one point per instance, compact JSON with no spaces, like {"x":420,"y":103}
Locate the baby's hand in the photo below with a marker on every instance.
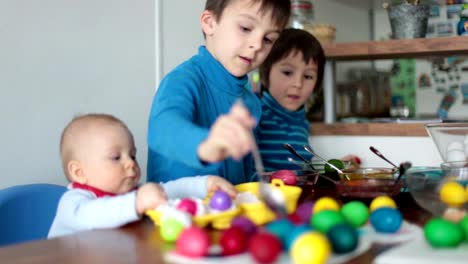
{"x":149,"y":196}
{"x":215,"y":183}
{"x":355,"y":161}
{"x":230,"y":136}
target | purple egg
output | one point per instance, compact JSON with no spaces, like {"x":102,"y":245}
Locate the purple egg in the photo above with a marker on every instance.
{"x":220,"y":201}
{"x":304,"y":211}
{"x":244,"y":223}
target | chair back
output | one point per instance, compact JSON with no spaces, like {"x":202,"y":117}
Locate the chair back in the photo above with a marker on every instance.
{"x":27,"y":211}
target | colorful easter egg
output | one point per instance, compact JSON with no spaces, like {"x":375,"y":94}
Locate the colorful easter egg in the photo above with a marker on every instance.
{"x":170,"y":229}
{"x":265,"y":247}
{"x":343,"y":238}
{"x":304,"y":211}
{"x":453,"y":194}
{"x":233,"y":241}
{"x":280,"y":228}
{"x":188,"y":205}
{"x":356,"y":213}
{"x":324,"y":220}
{"x":325,"y":203}
{"x":287,"y":176}
{"x":295,"y":232}
{"x":220,"y":201}
{"x":310,"y":248}
{"x":464,"y":226}
{"x":382,"y":201}
{"x":193,"y":242}
{"x":441,"y":233}
{"x":386,"y":220}
{"x":245,"y":223}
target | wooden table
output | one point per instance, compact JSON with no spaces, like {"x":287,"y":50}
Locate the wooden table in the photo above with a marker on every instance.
{"x":140,"y":242}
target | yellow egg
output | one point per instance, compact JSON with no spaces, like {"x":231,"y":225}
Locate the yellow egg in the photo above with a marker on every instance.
{"x":326,"y":203}
{"x":310,"y":248}
{"x":382,"y":201}
{"x":453,"y":194}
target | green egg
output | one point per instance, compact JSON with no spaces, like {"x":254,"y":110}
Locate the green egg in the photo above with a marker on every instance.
{"x":464,"y":226}
{"x":441,"y":233}
{"x":343,"y":238}
{"x":356,"y":213}
{"x":324,"y":220}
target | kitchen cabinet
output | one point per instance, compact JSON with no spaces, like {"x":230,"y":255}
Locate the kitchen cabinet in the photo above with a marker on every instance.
{"x":389,"y":49}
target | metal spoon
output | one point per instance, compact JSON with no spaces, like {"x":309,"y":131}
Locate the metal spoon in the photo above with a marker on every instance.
{"x":404,"y":166}
{"x":309,"y":149}
{"x":295,"y":153}
{"x":376,"y":152}
{"x":273,"y":197}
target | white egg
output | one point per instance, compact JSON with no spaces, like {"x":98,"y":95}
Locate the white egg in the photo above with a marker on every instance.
{"x":455,"y":145}
{"x":455,"y":155}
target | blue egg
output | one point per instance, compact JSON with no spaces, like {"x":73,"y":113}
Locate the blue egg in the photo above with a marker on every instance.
{"x":280,"y":228}
{"x":294,"y":234}
{"x":386,"y":220}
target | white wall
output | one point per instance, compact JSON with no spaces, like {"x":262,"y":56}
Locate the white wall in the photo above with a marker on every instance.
{"x":181,"y":31}
{"x":59,"y":58}
{"x":420,"y":151}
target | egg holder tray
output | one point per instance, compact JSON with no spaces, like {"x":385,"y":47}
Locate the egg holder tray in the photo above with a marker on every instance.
{"x":257,"y":212}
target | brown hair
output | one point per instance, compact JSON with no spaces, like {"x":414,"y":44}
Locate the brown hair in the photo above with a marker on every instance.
{"x":72,"y":131}
{"x":280,"y":9}
{"x":293,"y":40}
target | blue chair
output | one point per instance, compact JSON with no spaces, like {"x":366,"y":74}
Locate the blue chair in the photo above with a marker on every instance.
{"x":27,"y":211}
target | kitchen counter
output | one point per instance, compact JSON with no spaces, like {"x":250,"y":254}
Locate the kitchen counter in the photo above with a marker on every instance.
{"x":369,"y":129}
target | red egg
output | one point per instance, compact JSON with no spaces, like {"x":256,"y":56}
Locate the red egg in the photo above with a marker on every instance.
{"x":287,"y":176}
{"x":265,"y":247}
{"x":233,"y":240}
{"x":188,"y":205}
{"x":193,"y":242}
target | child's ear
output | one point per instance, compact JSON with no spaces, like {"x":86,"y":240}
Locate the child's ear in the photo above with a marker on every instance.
{"x":75,"y":170}
{"x":208,"y":21}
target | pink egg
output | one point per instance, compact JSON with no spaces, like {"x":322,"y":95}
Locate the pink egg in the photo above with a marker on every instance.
{"x":233,"y":241}
{"x":287,"y":176}
{"x":193,"y":242}
{"x":188,"y":205}
{"x":265,"y":247}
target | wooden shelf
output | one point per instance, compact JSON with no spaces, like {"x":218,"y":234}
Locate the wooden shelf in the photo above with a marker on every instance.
{"x":395,"y":49}
{"x":368,"y":129}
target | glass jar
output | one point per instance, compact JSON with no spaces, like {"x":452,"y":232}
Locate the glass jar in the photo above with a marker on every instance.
{"x":302,"y":12}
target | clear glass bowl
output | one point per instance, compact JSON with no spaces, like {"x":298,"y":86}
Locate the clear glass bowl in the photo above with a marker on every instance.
{"x":451,"y":139}
{"x":424,"y":184}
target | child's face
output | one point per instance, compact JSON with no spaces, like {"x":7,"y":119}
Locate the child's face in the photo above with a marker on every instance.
{"x":292,"y":81}
{"x":241,"y":38}
{"x":108,"y":159}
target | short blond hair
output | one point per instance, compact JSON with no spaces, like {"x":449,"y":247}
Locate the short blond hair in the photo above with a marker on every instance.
{"x":75,"y":129}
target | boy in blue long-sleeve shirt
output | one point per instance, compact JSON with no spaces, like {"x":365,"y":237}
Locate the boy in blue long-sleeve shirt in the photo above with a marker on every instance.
{"x":195,"y":127}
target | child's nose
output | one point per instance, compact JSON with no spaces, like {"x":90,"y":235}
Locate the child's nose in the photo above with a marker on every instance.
{"x":255,"y":43}
{"x":298,"y":81}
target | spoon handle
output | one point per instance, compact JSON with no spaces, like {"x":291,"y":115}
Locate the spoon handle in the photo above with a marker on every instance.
{"x":376,"y":152}
{"x":295,"y":153}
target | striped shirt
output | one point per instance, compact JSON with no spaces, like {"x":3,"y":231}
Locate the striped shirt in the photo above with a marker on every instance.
{"x":277,"y":127}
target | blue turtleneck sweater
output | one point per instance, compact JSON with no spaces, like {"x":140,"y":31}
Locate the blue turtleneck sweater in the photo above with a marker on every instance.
{"x":187,"y":103}
{"x":278,"y":126}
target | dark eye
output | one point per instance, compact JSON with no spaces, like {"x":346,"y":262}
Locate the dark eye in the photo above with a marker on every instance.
{"x":115,"y":157}
{"x":244,"y":29}
{"x":287,"y":73}
{"x":309,"y":77}
{"x":268,"y":41}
